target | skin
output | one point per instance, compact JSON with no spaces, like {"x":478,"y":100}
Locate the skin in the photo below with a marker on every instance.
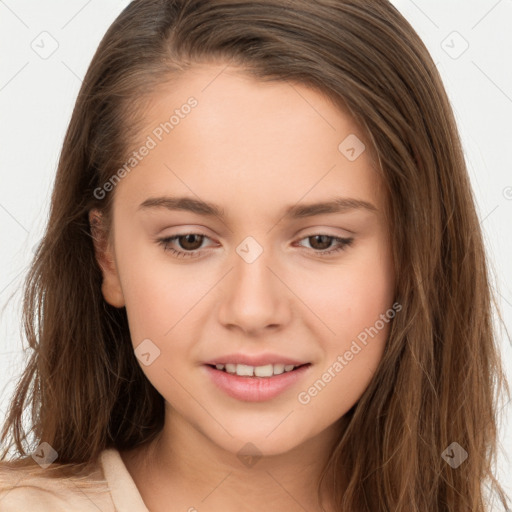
{"x":253,"y":148}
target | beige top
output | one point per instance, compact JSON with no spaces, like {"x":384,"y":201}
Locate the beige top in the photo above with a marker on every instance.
{"x":110,"y":489}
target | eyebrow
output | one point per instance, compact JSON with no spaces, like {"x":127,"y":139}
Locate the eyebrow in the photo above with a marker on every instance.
{"x":297,"y":211}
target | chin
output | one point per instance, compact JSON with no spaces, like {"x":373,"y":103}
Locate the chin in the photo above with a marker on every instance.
{"x":259,"y":442}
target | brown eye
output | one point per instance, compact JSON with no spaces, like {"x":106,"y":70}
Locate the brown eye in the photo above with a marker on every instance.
{"x":186,"y":245}
{"x":190,"y":242}
{"x":322,"y":242}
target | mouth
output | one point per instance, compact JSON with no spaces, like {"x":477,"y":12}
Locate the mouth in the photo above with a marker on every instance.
{"x":264,"y":372}
{"x":256,"y":383}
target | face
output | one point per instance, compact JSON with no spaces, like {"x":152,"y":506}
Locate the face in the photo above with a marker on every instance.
{"x":257,"y":277}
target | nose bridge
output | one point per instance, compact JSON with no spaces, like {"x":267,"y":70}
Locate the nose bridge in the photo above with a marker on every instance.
{"x":255,"y":298}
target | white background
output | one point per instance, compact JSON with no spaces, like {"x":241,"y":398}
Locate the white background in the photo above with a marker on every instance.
{"x":37,"y":96}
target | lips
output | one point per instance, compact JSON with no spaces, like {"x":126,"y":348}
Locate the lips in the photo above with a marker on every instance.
{"x":254,"y":388}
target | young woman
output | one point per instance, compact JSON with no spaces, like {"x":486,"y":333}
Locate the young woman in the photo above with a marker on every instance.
{"x":263,"y":282}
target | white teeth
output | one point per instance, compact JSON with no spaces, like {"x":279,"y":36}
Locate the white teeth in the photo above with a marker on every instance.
{"x":264,"y":371}
{"x":245,"y":370}
{"x":231,"y":368}
{"x":278,"y":369}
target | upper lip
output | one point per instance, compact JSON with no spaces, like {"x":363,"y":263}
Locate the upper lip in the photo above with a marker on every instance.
{"x":255,"y":360}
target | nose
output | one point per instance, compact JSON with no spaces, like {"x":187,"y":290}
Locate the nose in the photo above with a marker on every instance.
{"x":253,"y":298}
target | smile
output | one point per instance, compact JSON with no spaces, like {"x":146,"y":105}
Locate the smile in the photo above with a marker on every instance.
{"x":245,"y":370}
{"x":255,"y":383}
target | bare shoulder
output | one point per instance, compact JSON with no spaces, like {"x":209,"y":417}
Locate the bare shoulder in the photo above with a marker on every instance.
{"x":24,"y":485}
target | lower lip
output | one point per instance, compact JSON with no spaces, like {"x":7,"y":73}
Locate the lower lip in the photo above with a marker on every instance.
{"x":255,"y":389}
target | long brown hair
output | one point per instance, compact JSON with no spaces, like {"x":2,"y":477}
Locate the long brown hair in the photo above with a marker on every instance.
{"x":440,"y":378}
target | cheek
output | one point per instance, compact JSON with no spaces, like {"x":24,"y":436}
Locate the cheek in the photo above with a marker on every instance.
{"x":158,"y":292}
{"x":352,"y":295}
{"x":355,"y":302}
{"x":160,"y":298}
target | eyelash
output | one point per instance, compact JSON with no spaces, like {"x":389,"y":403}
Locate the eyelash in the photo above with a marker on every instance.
{"x":164,"y":242}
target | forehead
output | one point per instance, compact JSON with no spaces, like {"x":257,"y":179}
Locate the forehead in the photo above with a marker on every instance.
{"x":249,"y":144}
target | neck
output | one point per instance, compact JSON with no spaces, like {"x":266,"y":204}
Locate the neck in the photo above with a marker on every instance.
{"x":184,"y":467}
